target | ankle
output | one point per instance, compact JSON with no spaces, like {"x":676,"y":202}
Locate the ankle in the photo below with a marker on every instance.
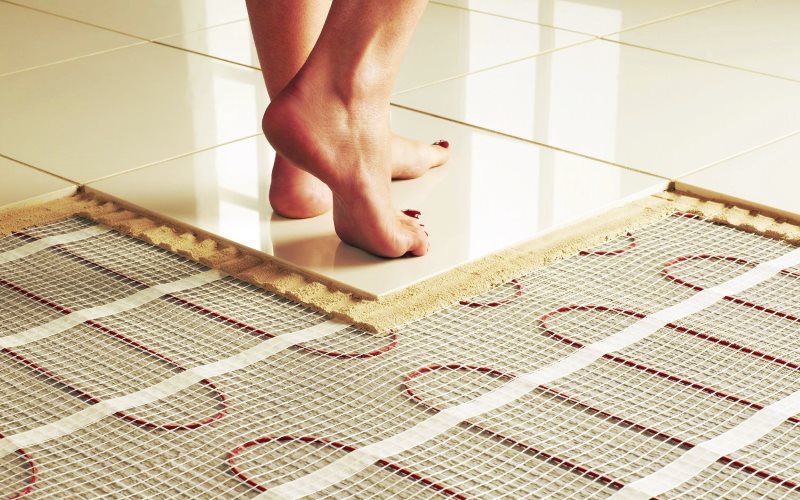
{"x":362,"y":81}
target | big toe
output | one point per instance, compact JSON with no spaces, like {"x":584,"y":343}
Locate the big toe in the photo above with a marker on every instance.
{"x":413,"y":159}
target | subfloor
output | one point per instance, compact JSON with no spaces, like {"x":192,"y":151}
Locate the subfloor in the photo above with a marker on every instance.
{"x":131,"y":371}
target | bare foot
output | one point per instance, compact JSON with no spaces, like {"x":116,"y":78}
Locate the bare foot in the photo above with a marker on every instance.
{"x":347,"y":143}
{"x":296,"y":194}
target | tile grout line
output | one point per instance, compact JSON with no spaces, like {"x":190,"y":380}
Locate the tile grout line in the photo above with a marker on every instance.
{"x":39,"y":169}
{"x":106,"y":28}
{"x":511,"y":18}
{"x":698,"y":59}
{"x":736,"y":155}
{"x":42,"y":11}
{"x":496,"y":66}
{"x":176,"y":157}
{"x":210,"y":56}
{"x":135,"y":43}
{"x":530,"y":141}
{"x":669,"y":17}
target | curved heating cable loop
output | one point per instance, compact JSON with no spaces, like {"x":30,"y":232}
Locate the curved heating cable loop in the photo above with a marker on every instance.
{"x":686,"y":258}
{"x":519,"y":291}
{"x":33,"y":471}
{"x":674,"y":378}
{"x":393,"y":467}
{"x":618,"y":251}
{"x":128,"y":341}
{"x":514,"y":443}
{"x":393,"y":337}
{"x":683,"y":381}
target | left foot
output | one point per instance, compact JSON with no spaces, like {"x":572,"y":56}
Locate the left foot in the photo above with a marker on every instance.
{"x":296,"y":194}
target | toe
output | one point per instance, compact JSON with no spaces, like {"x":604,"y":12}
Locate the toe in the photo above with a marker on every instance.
{"x":418,"y":244}
{"x":413,"y":159}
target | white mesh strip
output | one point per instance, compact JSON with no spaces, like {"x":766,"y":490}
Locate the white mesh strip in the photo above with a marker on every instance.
{"x":50,"y":241}
{"x":704,"y":454}
{"x":361,"y":458}
{"x":168,"y":387}
{"x":124,"y":304}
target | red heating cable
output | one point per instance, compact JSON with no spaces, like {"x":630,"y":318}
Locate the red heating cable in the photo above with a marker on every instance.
{"x":685,"y":258}
{"x":542,"y":455}
{"x":217,"y":316}
{"x":128,"y":341}
{"x":572,"y":467}
{"x":617,"y":251}
{"x":33,"y":472}
{"x":393,"y":467}
{"x":683,"y":381}
{"x":517,"y":294}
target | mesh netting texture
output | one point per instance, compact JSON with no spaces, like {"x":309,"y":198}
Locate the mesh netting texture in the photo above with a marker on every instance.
{"x":128,"y":371}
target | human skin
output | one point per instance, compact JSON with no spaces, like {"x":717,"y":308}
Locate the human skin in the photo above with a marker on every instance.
{"x":329,"y":68}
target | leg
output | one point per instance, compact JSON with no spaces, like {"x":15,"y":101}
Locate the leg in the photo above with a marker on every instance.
{"x":285,"y":31}
{"x":332,"y":120}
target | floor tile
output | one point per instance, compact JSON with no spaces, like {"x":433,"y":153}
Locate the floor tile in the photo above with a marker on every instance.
{"x":22,"y":45}
{"x":654,"y":112}
{"x":146,"y":18}
{"x":759,"y":35}
{"x":494,"y":192}
{"x":111,"y":112}
{"x":22,"y":184}
{"x":448,"y":42}
{"x":596,"y":17}
{"x":764,"y":178}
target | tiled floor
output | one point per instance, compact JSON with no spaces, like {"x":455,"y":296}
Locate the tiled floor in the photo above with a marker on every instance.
{"x":555,"y":110}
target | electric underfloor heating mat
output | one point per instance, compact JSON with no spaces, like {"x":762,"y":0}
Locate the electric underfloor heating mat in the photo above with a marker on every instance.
{"x":127,"y":371}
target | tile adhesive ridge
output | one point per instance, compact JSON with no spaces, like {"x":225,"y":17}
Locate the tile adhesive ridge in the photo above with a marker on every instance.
{"x":415,"y":302}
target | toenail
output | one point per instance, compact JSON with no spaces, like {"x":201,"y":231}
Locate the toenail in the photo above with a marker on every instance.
{"x":442,"y":143}
{"x":412,"y":213}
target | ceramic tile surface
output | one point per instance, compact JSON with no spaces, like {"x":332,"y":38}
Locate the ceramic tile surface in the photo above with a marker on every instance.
{"x":22,"y":45}
{"x":767,"y":178}
{"x":448,"y":42}
{"x":146,"y":18}
{"x":494,"y":192}
{"x":596,"y":17}
{"x":111,"y":112}
{"x":759,"y":35}
{"x":654,"y":112}
{"x":22,"y":184}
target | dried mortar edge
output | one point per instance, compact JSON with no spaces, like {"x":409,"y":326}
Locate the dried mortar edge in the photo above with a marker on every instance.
{"x":428,"y":297}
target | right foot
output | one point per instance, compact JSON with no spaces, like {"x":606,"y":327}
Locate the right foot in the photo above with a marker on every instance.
{"x":347,"y":145}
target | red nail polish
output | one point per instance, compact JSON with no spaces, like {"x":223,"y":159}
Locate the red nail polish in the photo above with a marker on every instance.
{"x":442,"y":143}
{"x":412,"y":213}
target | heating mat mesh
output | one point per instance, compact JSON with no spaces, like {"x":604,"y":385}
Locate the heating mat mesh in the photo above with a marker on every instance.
{"x":128,"y":371}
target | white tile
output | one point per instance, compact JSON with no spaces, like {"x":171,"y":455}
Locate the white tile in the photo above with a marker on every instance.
{"x":146,"y":18}
{"x":765,"y":178}
{"x":759,"y":35}
{"x":494,"y":192}
{"x":596,"y":17}
{"x":21,"y":185}
{"x":654,"y":112}
{"x":111,"y":112}
{"x":448,"y":42}
{"x":231,"y":42}
{"x":23,"y":46}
